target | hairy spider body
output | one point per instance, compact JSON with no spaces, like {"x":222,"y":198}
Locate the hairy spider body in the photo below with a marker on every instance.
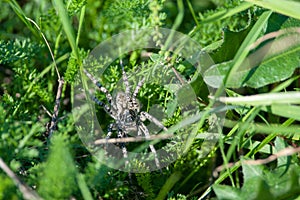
{"x":125,"y":110}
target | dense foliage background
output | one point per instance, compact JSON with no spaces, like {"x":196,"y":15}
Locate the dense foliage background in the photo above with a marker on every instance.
{"x":256,"y":48}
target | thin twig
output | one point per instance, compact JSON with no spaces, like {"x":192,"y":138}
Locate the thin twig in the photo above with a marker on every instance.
{"x":133,"y":139}
{"x":60,"y":83}
{"x":56,"y":107}
{"x":47,"y":111}
{"x":284,"y":152}
{"x":273,"y":35}
{"x":178,"y":75}
{"x":26,"y":191}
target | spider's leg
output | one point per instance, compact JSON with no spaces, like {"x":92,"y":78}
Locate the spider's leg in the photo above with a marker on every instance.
{"x":125,"y":80}
{"x":106,"y":108}
{"x":100,"y":87}
{"x":110,"y":129}
{"x":139,"y":131}
{"x":136,"y":91}
{"x":121,"y":134}
{"x":153,"y":150}
{"x":153,"y":119}
{"x":138,"y":87}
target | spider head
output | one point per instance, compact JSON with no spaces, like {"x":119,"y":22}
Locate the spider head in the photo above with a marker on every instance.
{"x":124,"y":101}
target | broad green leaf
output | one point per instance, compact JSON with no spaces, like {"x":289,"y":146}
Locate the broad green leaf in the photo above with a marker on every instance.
{"x":285,"y":7}
{"x":284,"y":184}
{"x":273,"y":62}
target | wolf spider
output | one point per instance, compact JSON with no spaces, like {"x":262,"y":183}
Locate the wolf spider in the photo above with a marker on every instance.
{"x":125,"y":110}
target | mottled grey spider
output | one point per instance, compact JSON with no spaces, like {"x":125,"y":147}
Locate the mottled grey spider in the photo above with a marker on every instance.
{"x":125,"y":110}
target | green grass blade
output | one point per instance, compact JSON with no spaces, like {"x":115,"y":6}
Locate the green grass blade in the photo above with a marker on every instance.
{"x":286,"y":7}
{"x":83,"y":187}
{"x":18,"y":10}
{"x":172,"y":180}
{"x":177,"y":22}
{"x":80,"y":24}
{"x":264,"y":99}
{"x":292,"y":130}
{"x":288,"y":111}
{"x":193,"y":12}
{"x":65,"y":20}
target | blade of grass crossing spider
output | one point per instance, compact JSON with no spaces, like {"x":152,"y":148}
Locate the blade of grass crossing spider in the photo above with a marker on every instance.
{"x":81,"y":18}
{"x":287,"y":7}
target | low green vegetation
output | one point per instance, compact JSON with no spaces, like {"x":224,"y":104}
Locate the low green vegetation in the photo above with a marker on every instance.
{"x":255,"y":48}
